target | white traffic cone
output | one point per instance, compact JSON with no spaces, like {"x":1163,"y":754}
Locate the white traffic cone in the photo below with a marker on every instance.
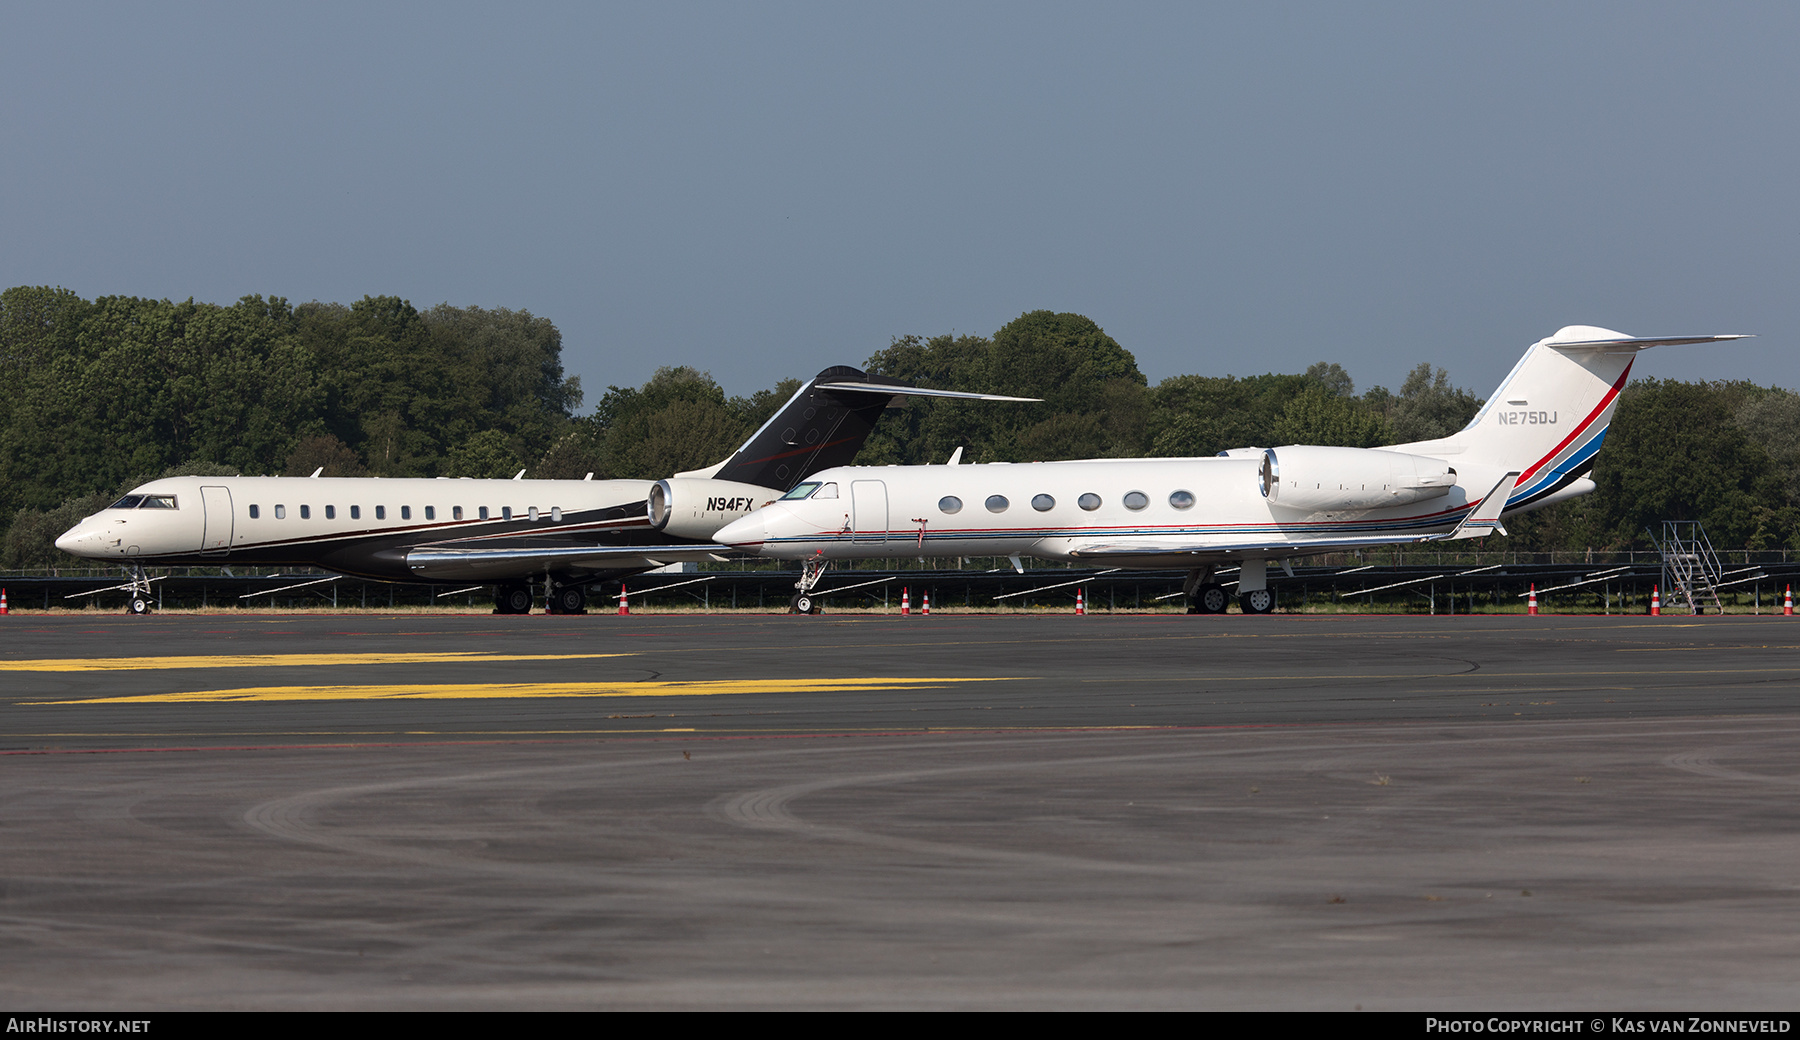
{"x":624,"y":600}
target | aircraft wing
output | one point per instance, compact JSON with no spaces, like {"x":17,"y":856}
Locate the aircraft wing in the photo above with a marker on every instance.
{"x":476,"y":564}
{"x":1232,"y":550}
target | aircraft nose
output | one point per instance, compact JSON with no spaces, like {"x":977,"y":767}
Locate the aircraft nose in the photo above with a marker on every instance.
{"x":746,"y":532}
{"x":79,"y":540}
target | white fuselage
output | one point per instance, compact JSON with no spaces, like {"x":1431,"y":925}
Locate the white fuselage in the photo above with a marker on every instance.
{"x":1056,"y":510}
{"x":356,"y":525}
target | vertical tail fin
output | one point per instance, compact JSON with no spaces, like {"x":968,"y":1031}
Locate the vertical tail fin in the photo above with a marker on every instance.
{"x":1550,"y":414}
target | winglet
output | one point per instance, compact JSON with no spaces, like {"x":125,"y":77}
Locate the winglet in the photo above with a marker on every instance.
{"x":1484,"y":519}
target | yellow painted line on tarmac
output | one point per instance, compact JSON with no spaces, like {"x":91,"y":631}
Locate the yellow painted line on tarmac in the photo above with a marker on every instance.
{"x":132,"y":664}
{"x":491,"y":691}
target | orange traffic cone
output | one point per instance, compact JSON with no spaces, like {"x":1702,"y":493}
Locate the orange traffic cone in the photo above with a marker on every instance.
{"x":1787,"y":604}
{"x":1531,"y":604}
{"x":926,"y":607}
{"x":1655,"y":601}
{"x":3,"y":609}
{"x":905,"y":602}
{"x":1080,"y":603}
{"x":624,"y":600}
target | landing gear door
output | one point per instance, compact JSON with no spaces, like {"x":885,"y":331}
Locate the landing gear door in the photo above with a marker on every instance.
{"x":869,"y":511}
{"x":216,"y":536}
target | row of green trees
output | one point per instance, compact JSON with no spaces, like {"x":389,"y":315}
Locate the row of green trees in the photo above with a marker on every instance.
{"x":96,"y":396}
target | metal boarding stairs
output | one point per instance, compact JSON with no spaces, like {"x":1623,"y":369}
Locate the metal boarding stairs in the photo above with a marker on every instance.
{"x":1691,"y":571}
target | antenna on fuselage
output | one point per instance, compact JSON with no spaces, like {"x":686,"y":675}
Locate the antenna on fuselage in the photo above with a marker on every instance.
{"x":955,"y":456}
{"x":316,"y":472}
{"x":519,"y":475}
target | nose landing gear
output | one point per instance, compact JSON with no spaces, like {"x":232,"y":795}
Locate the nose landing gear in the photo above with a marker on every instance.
{"x":810,"y":572}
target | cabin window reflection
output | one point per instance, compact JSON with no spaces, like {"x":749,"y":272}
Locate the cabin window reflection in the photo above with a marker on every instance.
{"x":1089,"y":501}
{"x":531,"y":513}
{"x":254,"y":512}
{"x":950,"y":504}
{"x":456,"y":512}
{"x":801,"y":491}
{"x":1043,"y":503}
{"x":281,"y":512}
{"x":431,"y":512}
{"x":128,"y":502}
{"x":1182,"y":499}
{"x":306,"y":512}
{"x":997,"y":503}
{"x":1135,"y":500}
{"x":556,"y":514}
{"x":157,"y":502}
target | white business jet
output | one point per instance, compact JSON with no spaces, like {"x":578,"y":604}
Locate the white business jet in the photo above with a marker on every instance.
{"x":501,"y":532}
{"x":1532,"y":444}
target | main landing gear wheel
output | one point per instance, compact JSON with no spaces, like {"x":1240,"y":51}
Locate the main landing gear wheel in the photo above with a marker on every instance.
{"x":512,"y":599}
{"x":138,"y":605}
{"x":1262,"y":601}
{"x":803,"y":604}
{"x":1209,"y":599}
{"x":570,"y":599}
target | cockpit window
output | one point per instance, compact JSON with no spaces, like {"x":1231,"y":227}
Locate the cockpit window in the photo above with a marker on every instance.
{"x":157,"y":502}
{"x":828,"y":491}
{"x":801,"y":491}
{"x":128,"y":502}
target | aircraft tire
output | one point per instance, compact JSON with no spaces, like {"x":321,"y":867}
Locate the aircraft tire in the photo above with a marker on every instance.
{"x":512,"y":599}
{"x":138,"y":605}
{"x":1211,"y":599}
{"x":803,"y":604}
{"x":570,"y":599}
{"x":1262,"y":601}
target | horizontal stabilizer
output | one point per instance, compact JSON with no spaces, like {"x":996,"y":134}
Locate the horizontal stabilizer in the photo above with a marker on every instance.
{"x":919,"y":391}
{"x":1588,"y":337}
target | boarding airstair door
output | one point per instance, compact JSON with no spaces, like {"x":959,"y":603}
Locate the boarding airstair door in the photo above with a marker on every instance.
{"x":869,"y":511}
{"x":216,"y":538}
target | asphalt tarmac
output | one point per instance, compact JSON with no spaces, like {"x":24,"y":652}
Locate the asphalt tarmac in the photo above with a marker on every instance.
{"x":1126,"y":811}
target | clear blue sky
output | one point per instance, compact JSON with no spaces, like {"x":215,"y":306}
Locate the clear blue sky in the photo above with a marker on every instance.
{"x":763,"y":189}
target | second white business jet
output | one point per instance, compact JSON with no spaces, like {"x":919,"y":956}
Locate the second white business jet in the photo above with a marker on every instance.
{"x":1532,"y":444}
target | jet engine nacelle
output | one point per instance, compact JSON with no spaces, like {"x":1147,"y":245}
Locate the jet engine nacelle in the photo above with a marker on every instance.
{"x":695,"y":507}
{"x":1313,"y":478}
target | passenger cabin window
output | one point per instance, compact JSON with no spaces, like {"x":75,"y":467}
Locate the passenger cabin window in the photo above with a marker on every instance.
{"x":533,"y":514}
{"x":1182,"y":499}
{"x":1089,"y":501}
{"x":997,"y":503}
{"x":1043,"y":503}
{"x":306,"y":512}
{"x":254,"y":511}
{"x":128,"y":502}
{"x":281,"y":512}
{"x":431,"y":512}
{"x":356,"y":512}
{"x":556,"y":514}
{"x":331,"y":512}
{"x":950,"y":504}
{"x":381,"y":512}
{"x":483,"y":512}
{"x":800,"y":491}
{"x":456,"y":512}
{"x":406,"y":512}
{"x":506,"y":512}
{"x":1135,"y":500}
